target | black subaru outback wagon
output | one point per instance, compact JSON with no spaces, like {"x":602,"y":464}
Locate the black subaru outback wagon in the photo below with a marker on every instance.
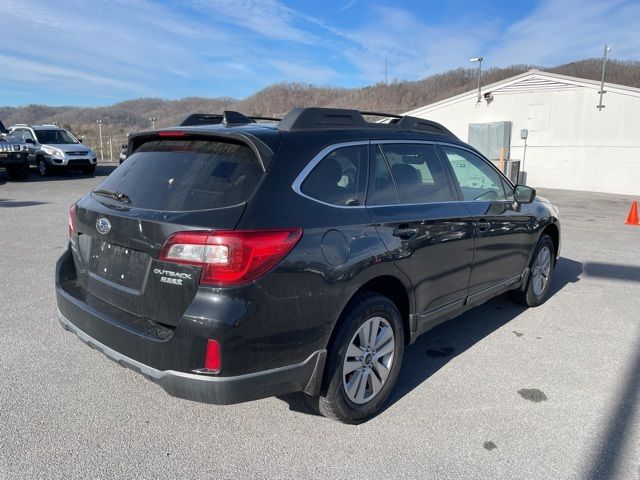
{"x":229,"y":260}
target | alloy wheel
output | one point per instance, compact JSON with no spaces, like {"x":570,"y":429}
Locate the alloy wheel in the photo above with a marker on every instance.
{"x":368,"y":360}
{"x":541,"y":271}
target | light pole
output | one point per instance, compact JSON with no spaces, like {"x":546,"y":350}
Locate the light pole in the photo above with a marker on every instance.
{"x":153,"y":121}
{"x":479,"y":60}
{"x":99,"y":122}
{"x":607,"y":49}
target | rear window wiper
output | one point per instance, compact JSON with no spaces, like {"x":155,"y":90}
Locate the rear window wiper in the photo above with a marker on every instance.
{"x":116,"y":195}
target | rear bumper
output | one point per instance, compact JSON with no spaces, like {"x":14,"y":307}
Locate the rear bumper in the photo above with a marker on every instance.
{"x":216,"y":390}
{"x":168,"y":357}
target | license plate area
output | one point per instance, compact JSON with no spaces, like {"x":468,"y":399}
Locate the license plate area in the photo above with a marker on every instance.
{"x":119,"y":265}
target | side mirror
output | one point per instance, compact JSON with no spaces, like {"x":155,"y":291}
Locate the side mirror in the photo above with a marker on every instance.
{"x":29,"y":140}
{"x":124,"y":145}
{"x":524,"y":194}
{"x":80,"y":139}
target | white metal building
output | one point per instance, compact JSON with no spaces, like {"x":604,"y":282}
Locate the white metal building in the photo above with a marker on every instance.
{"x":571,"y":143}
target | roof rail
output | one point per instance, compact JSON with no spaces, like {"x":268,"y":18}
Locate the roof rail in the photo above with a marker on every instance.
{"x":226,"y":118}
{"x":317,"y":118}
{"x":381,"y":114}
{"x":272,"y":119}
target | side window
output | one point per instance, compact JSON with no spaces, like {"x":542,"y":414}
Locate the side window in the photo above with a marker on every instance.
{"x":382,"y":190}
{"x":418,"y":173}
{"x":340,"y":178}
{"x":27,"y":134}
{"x":478,"y":181}
{"x":18,"y":134}
{"x":508,"y":190}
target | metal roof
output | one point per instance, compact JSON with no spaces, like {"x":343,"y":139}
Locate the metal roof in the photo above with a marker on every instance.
{"x":533,"y":80}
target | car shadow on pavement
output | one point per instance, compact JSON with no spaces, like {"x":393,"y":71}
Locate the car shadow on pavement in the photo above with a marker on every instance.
{"x":618,"y":427}
{"x":7,"y":203}
{"x":628,"y":273}
{"x":101,"y":171}
{"x":433,"y":350}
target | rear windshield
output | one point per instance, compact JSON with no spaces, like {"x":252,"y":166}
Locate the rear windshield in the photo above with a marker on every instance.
{"x":178,"y":175}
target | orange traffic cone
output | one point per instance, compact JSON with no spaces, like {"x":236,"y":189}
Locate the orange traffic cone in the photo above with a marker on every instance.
{"x":632,"y":219}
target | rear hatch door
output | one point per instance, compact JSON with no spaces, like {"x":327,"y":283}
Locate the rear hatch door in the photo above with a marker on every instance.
{"x":166,"y":185}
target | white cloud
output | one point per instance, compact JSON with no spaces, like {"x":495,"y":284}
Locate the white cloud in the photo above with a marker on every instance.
{"x":570,"y":30}
{"x":555,"y":32}
{"x":127,"y":48}
{"x":43,"y":73}
{"x":348,"y":5}
{"x":268,"y":18}
{"x":413,"y":48}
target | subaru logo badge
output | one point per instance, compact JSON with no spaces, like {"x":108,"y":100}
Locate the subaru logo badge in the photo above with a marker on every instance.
{"x":103,"y":225}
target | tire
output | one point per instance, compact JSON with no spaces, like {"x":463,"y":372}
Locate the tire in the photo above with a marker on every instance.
{"x":91,"y":170}
{"x":44,"y":169}
{"x":543,"y":260}
{"x":19,"y":172}
{"x":368,"y":310}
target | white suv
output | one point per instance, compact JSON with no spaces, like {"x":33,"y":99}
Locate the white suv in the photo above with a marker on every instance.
{"x":52,"y":147}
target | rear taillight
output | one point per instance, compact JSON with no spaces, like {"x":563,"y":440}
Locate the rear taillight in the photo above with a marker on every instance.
{"x":73,"y":228}
{"x":230,"y":257}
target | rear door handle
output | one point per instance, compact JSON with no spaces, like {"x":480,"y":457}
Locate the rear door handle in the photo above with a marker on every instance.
{"x":405,"y":232}
{"x":482,"y":226}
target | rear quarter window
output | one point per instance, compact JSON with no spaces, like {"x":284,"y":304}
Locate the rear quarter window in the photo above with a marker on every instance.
{"x":340,"y":178}
{"x":179,"y":175}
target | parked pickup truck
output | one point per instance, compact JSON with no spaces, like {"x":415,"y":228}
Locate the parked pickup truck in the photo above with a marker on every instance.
{"x":14,"y":155}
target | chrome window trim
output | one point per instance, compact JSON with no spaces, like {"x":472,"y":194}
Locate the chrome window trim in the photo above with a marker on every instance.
{"x":384,"y":142}
{"x":317,"y":158}
{"x":426,"y":204}
{"x":300,"y":178}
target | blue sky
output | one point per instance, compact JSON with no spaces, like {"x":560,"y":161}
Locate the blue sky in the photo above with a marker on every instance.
{"x":98,"y":52}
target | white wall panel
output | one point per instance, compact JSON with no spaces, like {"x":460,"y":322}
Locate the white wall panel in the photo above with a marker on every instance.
{"x":571,"y":145}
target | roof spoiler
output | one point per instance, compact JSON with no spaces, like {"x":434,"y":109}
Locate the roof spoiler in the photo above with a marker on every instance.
{"x":316,"y":118}
{"x":228,"y":118}
{"x":262,"y":151}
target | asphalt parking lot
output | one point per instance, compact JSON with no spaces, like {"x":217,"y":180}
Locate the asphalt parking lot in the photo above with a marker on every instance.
{"x":500,"y":392}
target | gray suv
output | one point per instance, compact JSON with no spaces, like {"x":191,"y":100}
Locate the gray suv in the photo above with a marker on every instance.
{"x":52,"y":147}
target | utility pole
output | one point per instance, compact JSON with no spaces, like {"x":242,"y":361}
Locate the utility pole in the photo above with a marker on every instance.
{"x":479,"y":60}
{"x":153,"y":121}
{"x":111,"y":149}
{"x":607,"y":49}
{"x":386,"y":71}
{"x":99,"y":122}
